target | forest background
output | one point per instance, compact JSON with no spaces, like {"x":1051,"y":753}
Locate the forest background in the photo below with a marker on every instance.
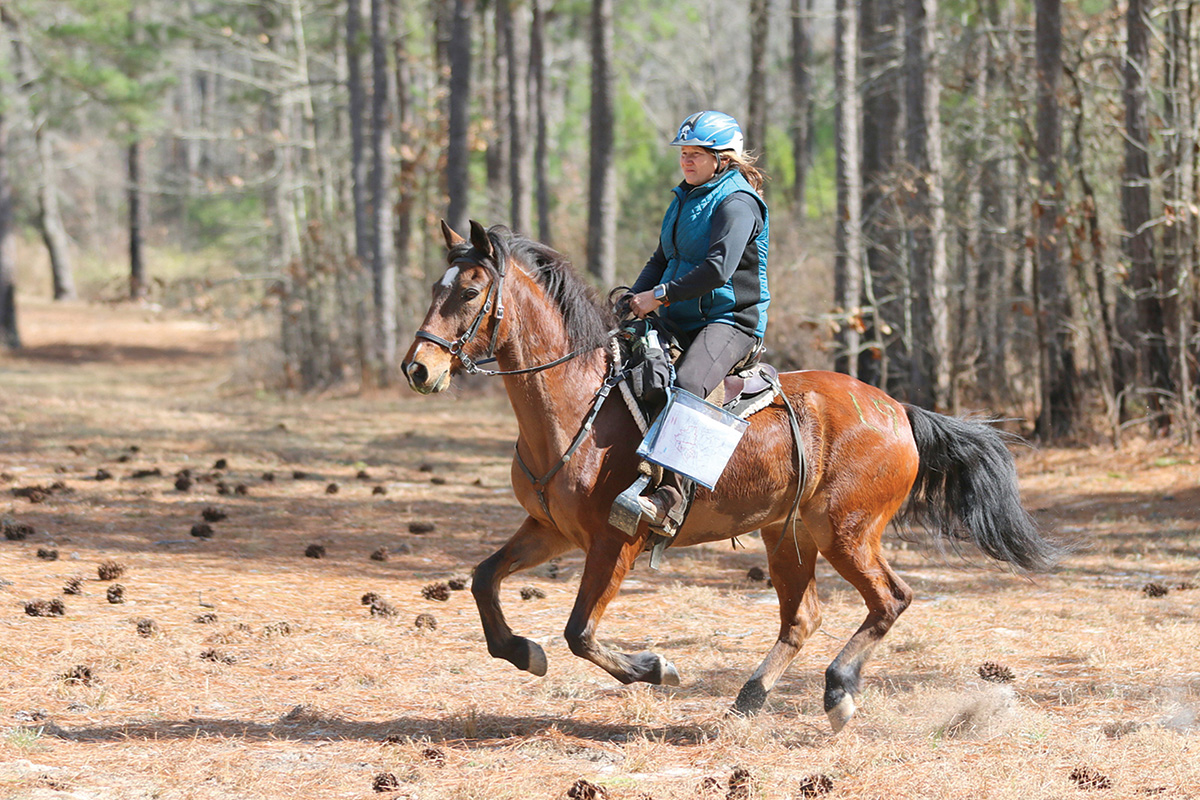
{"x":975,"y":204}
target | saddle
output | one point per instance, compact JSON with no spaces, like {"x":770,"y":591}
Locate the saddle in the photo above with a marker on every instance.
{"x":743,"y":392}
{"x":647,"y":352}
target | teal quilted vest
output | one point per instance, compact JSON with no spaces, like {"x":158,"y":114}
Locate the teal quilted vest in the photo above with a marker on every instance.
{"x":685,"y":239}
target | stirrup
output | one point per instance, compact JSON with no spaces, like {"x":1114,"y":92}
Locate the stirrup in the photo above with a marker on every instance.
{"x":626,"y":509}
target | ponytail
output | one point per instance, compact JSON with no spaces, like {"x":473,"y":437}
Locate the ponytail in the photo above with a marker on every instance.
{"x":744,"y":163}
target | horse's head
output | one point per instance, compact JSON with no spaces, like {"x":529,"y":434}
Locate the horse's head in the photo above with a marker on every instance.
{"x":464,"y":315}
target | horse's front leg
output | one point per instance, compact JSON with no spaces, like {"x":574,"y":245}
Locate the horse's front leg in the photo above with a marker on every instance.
{"x":608,"y":561}
{"x":532,"y":544}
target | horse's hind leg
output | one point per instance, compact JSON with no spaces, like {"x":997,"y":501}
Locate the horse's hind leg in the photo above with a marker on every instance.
{"x":792,"y":562}
{"x":858,"y":559}
{"x":608,"y":561}
{"x":532,"y":544}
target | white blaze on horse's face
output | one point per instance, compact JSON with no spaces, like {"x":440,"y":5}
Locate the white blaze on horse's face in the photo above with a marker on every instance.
{"x":448,"y":279}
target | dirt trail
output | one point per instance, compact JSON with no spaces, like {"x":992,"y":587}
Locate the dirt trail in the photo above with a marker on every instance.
{"x":237,"y":667}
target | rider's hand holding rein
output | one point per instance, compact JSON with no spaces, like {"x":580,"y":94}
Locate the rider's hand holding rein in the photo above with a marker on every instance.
{"x":644,"y":303}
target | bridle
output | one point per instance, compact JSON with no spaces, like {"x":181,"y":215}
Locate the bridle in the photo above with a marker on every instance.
{"x":494,"y":300}
{"x":493,"y":305}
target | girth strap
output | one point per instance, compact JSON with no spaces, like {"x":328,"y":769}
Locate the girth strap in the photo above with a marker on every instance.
{"x":801,"y":467}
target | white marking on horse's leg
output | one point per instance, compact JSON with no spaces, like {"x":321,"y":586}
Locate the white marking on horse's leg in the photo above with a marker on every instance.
{"x":448,"y":279}
{"x":840,"y":714}
{"x":670,"y":675}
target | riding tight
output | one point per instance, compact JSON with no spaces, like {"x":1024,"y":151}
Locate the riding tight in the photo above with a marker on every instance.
{"x":716,"y":350}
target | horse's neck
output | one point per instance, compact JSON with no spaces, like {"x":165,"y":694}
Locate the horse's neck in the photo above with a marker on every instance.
{"x":550,"y":405}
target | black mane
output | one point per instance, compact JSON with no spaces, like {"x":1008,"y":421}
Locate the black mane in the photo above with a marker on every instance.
{"x":587,"y":321}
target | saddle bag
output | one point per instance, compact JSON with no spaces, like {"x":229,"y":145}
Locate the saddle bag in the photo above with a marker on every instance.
{"x":651,"y":372}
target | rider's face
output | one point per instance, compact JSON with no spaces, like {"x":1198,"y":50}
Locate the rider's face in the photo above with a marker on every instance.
{"x":698,"y":164}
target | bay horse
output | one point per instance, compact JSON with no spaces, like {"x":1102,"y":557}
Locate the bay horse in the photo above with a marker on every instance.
{"x":518,"y":302}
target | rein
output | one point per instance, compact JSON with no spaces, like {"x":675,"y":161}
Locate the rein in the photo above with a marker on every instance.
{"x":614,"y":377}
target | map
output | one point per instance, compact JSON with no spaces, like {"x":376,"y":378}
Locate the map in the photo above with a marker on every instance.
{"x":694,"y":440}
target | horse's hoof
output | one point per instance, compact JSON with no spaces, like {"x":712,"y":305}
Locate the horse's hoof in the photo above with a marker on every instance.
{"x":535,"y":659}
{"x":750,"y":699}
{"x":840,"y":714}
{"x":670,"y":675}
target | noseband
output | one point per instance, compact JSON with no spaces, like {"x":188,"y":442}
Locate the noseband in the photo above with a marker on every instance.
{"x":495,"y":300}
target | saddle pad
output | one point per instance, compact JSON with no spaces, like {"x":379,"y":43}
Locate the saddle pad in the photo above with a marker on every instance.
{"x":750,"y":390}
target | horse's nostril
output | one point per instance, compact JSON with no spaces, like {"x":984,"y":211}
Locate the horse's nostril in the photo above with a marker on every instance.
{"x":417,"y":374}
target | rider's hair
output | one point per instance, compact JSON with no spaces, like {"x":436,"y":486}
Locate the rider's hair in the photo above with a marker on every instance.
{"x":744,"y":164}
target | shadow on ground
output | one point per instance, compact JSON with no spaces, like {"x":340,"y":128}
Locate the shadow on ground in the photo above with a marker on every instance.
{"x":475,"y":730}
{"x":75,"y":354}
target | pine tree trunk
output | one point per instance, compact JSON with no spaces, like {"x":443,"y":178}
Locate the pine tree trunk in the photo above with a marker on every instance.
{"x":801,"y":103}
{"x":848,"y":259}
{"x":133,"y":194}
{"x":518,"y":115}
{"x":1136,"y":213}
{"x":602,"y":171}
{"x":493,"y":59}
{"x":537,"y":65}
{"x":1088,"y":274}
{"x":9,"y":336}
{"x":756,"y":129}
{"x":929,"y":374}
{"x":316,"y":191}
{"x":458,"y":181}
{"x":287,"y":194}
{"x":407,"y":266}
{"x":1181,"y":196}
{"x":383,"y":262}
{"x":1058,"y":394}
{"x":358,"y":116}
{"x":190,"y":111}
{"x":50,"y":219}
{"x":996,"y":257}
{"x":1175,"y":210}
{"x":880,"y":148}
{"x":968,"y":306}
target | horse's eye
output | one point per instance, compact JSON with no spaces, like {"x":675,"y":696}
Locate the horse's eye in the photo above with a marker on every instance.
{"x":470,"y":294}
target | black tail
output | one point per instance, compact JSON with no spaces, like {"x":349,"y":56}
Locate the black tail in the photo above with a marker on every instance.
{"x":966,"y":488}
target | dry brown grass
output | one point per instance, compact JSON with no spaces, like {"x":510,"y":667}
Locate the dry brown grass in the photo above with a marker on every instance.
{"x":1105,"y":678}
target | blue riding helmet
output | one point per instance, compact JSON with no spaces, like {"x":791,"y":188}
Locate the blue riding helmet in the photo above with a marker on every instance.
{"x":711,"y":129}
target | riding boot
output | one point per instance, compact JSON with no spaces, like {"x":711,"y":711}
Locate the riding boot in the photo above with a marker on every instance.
{"x":663,"y":508}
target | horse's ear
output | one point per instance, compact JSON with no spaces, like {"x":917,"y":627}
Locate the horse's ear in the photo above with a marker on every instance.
{"x":450,"y":236}
{"x":480,"y":240}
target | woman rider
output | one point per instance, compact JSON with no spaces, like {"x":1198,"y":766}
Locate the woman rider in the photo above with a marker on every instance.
{"x":708,"y":276}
